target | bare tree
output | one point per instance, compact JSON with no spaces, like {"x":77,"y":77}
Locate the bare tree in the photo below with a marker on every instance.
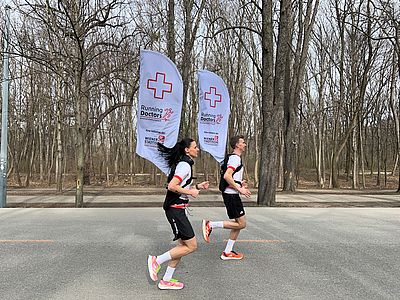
{"x":272,"y":98}
{"x":82,"y":31}
{"x":293,"y":84}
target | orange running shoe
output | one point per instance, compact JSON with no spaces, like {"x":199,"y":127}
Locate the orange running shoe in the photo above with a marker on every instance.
{"x":231,"y":255}
{"x":206,"y":228}
{"x":173,"y":284}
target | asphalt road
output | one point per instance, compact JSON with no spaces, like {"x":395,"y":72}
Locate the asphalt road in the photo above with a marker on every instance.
{"x":290,"y":253}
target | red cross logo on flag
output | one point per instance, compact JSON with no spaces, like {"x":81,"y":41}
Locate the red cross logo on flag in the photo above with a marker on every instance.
{"x":159,"y":85}
{"x":213,"y":96}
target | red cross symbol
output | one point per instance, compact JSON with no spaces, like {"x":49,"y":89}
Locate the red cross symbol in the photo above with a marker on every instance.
{"x":159,"y":85}
{"x":212,"y":96}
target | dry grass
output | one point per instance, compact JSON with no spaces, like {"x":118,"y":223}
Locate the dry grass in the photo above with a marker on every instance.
{"x":306,"y":180}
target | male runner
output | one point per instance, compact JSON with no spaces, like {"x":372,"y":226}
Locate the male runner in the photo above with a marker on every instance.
{"x":233,"y":203}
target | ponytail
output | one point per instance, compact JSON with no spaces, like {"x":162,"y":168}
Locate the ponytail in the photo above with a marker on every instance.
{"x":173,"y":155}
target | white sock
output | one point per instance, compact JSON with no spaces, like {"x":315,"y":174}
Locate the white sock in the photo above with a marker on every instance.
{"x":163,"y":258}
{"x":217,"y":224}
{"x":168,"y":273}
{"x":229,"y":246}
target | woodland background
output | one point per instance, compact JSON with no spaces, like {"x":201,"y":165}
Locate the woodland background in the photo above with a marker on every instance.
{"x":314,"y":87}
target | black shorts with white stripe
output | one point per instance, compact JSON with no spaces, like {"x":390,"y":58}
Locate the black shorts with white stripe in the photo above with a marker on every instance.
{"x":234,"y":205}
{"x":180,"y":223}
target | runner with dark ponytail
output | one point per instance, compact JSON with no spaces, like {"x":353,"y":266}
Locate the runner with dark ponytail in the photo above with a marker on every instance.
{"x":180,"y":161}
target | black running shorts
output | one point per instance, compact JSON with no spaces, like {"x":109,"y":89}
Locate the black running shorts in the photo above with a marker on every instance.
{"x":234,"y":205}
{"x":180,"y":224}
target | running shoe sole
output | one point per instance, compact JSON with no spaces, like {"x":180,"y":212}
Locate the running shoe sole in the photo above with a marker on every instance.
{"x":230,"y":258}
{"x":163,"y":287}
{"x":203,"y":229}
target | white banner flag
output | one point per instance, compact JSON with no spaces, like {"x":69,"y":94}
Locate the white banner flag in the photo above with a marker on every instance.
{"x":213,"y":114}
{"x":159,"y":106}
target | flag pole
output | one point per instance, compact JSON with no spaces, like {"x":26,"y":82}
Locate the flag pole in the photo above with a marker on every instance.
{"x":4,"y":115}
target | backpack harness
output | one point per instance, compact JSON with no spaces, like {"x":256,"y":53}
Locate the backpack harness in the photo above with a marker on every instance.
{"x":171,"y":196}
{"x":223,"y":184}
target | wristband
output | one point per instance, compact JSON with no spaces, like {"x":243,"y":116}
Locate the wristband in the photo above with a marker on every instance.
{"x":197,"y":187}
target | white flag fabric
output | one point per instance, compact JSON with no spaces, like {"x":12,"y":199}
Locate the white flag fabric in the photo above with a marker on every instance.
{"x":159,"y":106}
{"x":213,"y":114}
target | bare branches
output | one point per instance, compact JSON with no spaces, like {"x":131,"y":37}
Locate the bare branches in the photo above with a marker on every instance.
{"x":236,"y":27}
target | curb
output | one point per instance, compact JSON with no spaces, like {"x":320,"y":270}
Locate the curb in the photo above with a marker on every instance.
{"x":316,"y":204}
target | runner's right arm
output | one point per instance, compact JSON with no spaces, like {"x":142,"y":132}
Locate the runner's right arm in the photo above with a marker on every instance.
{"x":228,"y":176}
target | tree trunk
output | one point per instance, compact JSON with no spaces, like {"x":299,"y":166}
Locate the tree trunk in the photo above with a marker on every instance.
{"x":355,"y":159}
{"x":323,"y":135}
{"x":186,"y":64}
{"x":81,"y":134}
{"x":171,"y":30}
{"x":272,"y":101}
{"x":281,"y":146}
{"x":341,"y":17}
{"x":395,"y":112}
{"x":378,"y":154}
{"x":361,"y":141}
{"x":397,"y":49}
{"x":30,"y":161}
{"x":108,"y":161}
{"x":289,"y":105}
{"x":116,"y":163}
{"x":256,"y":144}
{"x":40,"y":148}
{"x":295,"y":81}
{"x":334,"y":171}
{"x":59,"y":154}
{"x":80,"y":166}
{"x":51,"y":158}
